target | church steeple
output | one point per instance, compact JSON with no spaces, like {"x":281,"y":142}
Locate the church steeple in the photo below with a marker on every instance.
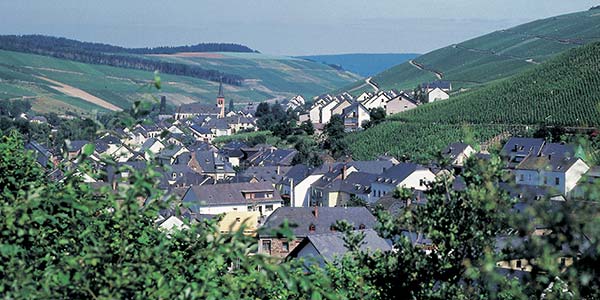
{"x":221,"y":99}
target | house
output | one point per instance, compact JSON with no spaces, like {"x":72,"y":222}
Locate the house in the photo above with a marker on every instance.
{"x":436,"y":95}
{"x":314,"y":113}
{"x":43,"y":156}
{"x":169,"y":154}
{"x":458,"y":153}
{"x":326,"y":248}
{"x":339,"y":191}
{"x":150,"y":147}
{"x":297,"y":102}
{"x":443,"y":85}
{"x":272,"y":174}
{"x":329,"y":181}
{"x":379,"y":100}
{"x":203,"y":134}
{"x":339,"y":108}
{"x":326,"y":111}
{"x":74,"y":148}
{"x":516,"y":149}
{"x":211,"y":164}
{"x":242,"y":197}
{"x":172,"y":223}
{"x":559,"y":172}
{"x":403,"y":175}
{"x":186,"y":111}
{"x":306,"y":221}
{"x":295,"y":185}
{"x":400,"y":103}
{"x":233,"y":221}
{"x":355,"y":115}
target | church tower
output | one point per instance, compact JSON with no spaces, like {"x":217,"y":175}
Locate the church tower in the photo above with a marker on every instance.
{"x":221,"y":101}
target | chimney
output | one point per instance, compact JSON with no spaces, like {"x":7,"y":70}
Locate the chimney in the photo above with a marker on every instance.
{"x":316,"y":211}
{"x":344,"y":171}
{"x":330,"y":167}
{"x":278,"y":169}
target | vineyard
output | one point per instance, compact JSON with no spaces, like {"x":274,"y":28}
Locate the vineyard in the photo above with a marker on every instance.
{"x":419,"y":142}
{"x":564,"y":91}
{"x":497,"y":55}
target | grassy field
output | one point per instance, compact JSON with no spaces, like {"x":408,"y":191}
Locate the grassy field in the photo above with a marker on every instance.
{"x":274,"y":77}
{"x":497,"y":55}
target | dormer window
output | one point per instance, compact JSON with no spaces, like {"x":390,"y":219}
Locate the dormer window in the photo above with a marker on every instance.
{"x":362,"y":226}
{"x":312,"y":228}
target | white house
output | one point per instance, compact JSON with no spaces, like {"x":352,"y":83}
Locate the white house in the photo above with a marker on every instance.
{"x":436,"y":95}
{"x":379,"y":100}
{"x":555,"y":171}
{"x":458,"y":153}
{"x":404,"y":175}
{"x":355,"y":115}
{"x":326,"y":111}
{"x":296,"y":185}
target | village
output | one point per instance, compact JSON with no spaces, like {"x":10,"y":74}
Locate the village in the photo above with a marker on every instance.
{"x":258,"y":187}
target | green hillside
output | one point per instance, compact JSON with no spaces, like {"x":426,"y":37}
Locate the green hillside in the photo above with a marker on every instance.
{"x":563,"y":91}
{"x":496,"y":55}
{"x":265,"y":77}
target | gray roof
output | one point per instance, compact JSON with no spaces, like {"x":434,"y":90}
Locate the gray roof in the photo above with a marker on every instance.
{"x":558,"y":149}
{"x":43,"y":155}
{"x":454,"y":150}
{"x":269,"y":157}
{"x":76,"y":145}
{"x":371,"y":166}
{"x":199,"y":108}
{"x":442,"y":84}
{"x":554,"y":163}
{"x":230,"y":194}
{"x":332,"y":245}
{"x":398,"y":173}
{"x":353,"y":107}
{"x":211,"y":162}
{"x":324,"y":219}
{"x":522,"y":146}
{"x":296,"y":173}
{"x":200,"y":130}
{"x":272,"y":174}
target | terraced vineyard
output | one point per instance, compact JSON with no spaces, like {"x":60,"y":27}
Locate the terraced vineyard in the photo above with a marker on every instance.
{"x":563,"y":91}
{"x":497,"y":55}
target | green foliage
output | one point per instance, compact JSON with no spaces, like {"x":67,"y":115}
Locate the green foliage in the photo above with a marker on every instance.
{"x":334,"y":133}
{"x":377,"y":115}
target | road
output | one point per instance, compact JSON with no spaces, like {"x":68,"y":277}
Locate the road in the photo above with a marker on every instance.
{"x":374,"y":86}
{"x":437,"y":74}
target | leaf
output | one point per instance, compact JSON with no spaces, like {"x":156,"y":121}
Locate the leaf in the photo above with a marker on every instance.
{"x":157,"y":82}
{"x":88,"y":149}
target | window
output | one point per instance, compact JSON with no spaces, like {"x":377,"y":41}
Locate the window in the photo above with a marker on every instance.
{"x":312,"y":228}
{"x":521,"y":177}
{"x":250,"y":208}
{"x":238,"y":219}
{"x":563,"y":261}
{"x":362,"y":226}
{"x":545,"y":180}
{"x":557,"y":180}
{"x":266,"y":246}
{"x":332,"y":227}
{"x":519,"y":265}
{"x":269,"y":207}
{"x":285,"y":246}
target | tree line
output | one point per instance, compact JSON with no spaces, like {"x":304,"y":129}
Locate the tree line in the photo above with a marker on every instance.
{"x":102,"y":54}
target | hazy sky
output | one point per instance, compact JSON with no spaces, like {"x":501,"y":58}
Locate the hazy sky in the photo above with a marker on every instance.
{"x":279,"y":26}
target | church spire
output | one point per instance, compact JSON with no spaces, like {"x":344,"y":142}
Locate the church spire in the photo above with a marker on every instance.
{"x":221,"y":88}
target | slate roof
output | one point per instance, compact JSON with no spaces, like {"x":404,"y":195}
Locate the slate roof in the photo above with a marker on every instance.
{"x":198,"y":108}
{"x":278,"y":157}
{"x":454,"y":150}
{"x":553,"y":163}
{"x":557,"y":149}
{"x":303,"y":217}
{"x":522,"y":146}
{"x":76,"y":145}
{"x":43,"y":155}
{"x":371,"y":166}
{"x":332,"y":245}
{"x":200,"y":130}
{"x":353,"y":107}
{"x":398,"y":173}
{"x":442,"y":84}
{"x":269,"y":173}
{"x":235,"y":145}
{"x":296,"y":173}
{"x":355,"y":183}
{"x":229,"y":194}
{"x":209,"y":162}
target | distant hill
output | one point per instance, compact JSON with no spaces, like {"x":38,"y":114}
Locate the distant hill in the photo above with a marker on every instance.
{"x":496,"y":55}
{"x":60,"y":85}
{"x":362,"y":64}
{"x":563,"y":91}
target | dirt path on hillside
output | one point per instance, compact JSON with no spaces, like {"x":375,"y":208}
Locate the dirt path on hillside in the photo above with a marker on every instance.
{"x":437,"y":74}
{"x":373,"y":85}
{"x":81,"y":94}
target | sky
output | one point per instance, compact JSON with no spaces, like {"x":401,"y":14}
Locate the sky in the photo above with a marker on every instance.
{"x":279,"y":27}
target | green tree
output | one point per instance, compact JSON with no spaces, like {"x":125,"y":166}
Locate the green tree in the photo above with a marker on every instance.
{"x":334,"y":133}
